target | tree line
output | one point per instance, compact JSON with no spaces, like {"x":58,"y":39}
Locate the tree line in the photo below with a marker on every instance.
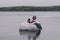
{"x":30,"y":8}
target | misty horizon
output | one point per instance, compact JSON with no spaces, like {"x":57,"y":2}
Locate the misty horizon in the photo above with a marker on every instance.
{"x":9,"y":3}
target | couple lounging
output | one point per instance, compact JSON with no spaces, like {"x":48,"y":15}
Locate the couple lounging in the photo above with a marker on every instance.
{"x":33,"y":20}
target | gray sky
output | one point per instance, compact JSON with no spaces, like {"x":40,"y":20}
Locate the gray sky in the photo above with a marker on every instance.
{"x":6,"y":3}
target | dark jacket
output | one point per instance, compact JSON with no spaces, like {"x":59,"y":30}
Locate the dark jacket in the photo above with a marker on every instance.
{"x":38,"y":25}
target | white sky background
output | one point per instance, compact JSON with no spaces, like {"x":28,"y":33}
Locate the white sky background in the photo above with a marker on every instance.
{"x":6,"y":3}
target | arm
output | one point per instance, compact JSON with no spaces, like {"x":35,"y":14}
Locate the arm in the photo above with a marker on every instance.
{"x":32,"y":21}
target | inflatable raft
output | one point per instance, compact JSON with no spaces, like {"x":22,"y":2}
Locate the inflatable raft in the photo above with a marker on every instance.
{"x":27,"y":29}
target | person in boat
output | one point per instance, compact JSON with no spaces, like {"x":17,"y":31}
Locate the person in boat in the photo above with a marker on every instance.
{"x":38,"y":26}
{"x":33,"y":19}
{"x":28,"y":20}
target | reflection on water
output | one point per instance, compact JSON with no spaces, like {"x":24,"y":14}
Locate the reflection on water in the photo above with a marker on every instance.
{"x":10,"y":22}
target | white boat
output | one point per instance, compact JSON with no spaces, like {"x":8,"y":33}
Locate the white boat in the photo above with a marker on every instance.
{"x":27,"y":29}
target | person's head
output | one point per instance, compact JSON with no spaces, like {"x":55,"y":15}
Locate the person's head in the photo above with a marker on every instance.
{"x":34,"y":17}
{"x":28,"y":20}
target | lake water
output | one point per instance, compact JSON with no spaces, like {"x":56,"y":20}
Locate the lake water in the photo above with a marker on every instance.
{"x":10,"y":22}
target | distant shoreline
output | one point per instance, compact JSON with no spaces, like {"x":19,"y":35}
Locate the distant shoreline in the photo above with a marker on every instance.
{"x":30,"y":8}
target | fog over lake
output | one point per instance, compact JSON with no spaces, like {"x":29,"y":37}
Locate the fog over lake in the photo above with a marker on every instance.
{"x":10,"y":23}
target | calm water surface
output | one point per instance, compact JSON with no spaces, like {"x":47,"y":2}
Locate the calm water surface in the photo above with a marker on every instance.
{"x":10,"y":22}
